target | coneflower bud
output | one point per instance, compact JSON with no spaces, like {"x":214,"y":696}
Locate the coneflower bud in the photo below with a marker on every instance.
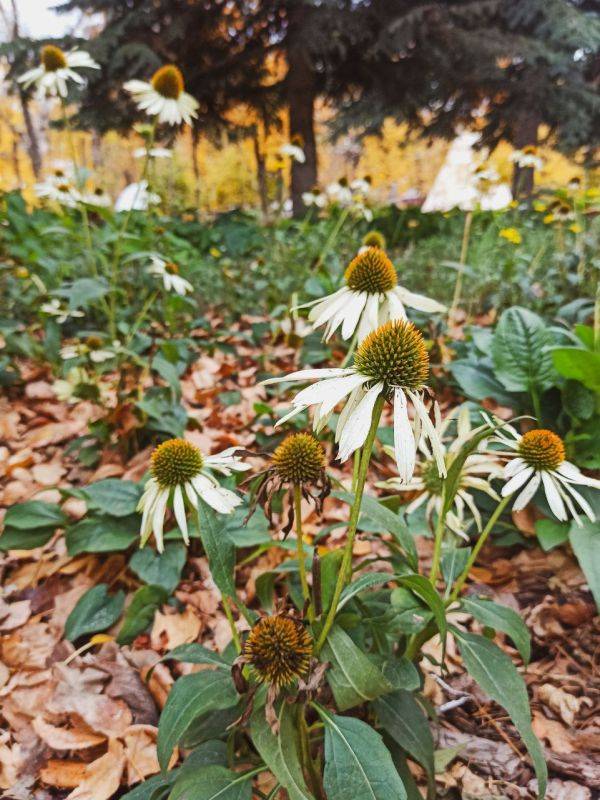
{"x":278,"y":649}
{"x":374,"y":239}
{"x":542,"y":449}
{"x":175,"y":462}
{"x":395,"y":355}
{"x":371,"y":271}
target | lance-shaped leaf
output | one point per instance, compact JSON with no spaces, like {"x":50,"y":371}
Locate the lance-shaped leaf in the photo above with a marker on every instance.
{"x":219,"y":548}
{"x":501,"y":618}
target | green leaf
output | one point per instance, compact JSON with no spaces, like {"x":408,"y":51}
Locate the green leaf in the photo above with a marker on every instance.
{"x":330,"y":565}
{"x":501,"y":618}
{"x":520,"y":353}
{"x":218,"y":547}
{"x":141,"y":612}
{"x":213,"y":783}
{"x":402,"y":673}
{"x":477,"y":384}
{"x":423,"y":589}
{"x":280,"y":752}
{"x":102,"y":534}
{"x":366,"y":581}
{"x":84,"y":291}
{"x":497,"y":675}
{"x":551,"y":533}
{"x":195,"y":653}
{"x":357,"y":763}
{"x":585,"y":541}
{"x":453,"y":562}
{"x":353,"y":677}
{"x":191,"y":696}
{"x":160,"y":569}
{"x":15,"y":539}
{"x":95,"y":611}
{"x":34,"y":514}
{"x":112,"y":496}
{"x":403,"y":718}
{"x":578,"y":364}
{"x":381,"y":519}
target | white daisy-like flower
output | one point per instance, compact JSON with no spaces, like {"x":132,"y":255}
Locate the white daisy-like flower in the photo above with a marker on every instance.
{"x":370,"y":298}
{"x":537,"y":458}
{"x":164,"y":97}
{"x":97,"y":198}
{"x":93,"y":348}
{"x":528,"y":157}
{"x":65,"y":388}
{"x":391,"y":362}
{"x":181,"y":474}
{"x":136,"y":197}
{"x":58,"y":191}
{"x":56,"y":69}
{"x":339,"y":192}
{"x":169,"y":272}
{"x":477,"y":470}
{"x":293,"y":151}
{"x":361,"y":186}
{"x":54,"y":308}
{"x":153,"y":152}
{"x":314,"y":198}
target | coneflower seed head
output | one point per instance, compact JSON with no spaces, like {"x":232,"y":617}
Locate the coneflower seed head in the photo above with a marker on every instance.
{"x":52,"y":58}
{"x":175,"y":462}
{"x":168,"y":81}
{"x":299,"y":459}
{"x":371,"y":271}
{"x":542,"y":449}
{"x":278,"y":649}
{"x":394,"y":354}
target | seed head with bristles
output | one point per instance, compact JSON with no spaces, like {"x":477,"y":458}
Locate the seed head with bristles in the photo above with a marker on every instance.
{"x":394,"y":354}
{"x":52,"y":58}
{"x":168,"y":81}
{"x":371,"y":271}
{"x":278,"y":649}
{"x":175,"y":462}
{"x":299,"y":459}
{"x":542,"y":449}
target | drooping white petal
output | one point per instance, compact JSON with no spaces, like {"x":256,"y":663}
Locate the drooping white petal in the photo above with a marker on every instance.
{"x":419,"y":301}
{"x":428,"y":427}
{"x":310,"y":374}
{"x":329,"y":307}
{"x":158,"y":519}
{"x":179,"y":509}
{"x":553,"y":497}
{"x":571,"y":473}
{"x":517,"y":481}
{"x":404,"y":439}
{"x":222,"y":500}
{"x":416,"y":503}
{"x":472,"y":506}
{"x":395,"y":305}
{"x":583,"y":503}
{"x":358,"y":424}
{"x":353,"y":400}
{"x":294,"y":412}
{"x":329,"y":392}
{"x":353,"y":312}
{"x":191,"y":494}
{"x":513,"y":466}
{"x":526,"y":496}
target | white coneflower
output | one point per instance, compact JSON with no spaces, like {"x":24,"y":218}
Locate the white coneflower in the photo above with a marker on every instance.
{"x":66,"y":389}
{"x":164,"y":96}
{"x":54,"y":309}
{"x":153,"y":152}
{"x":393,"y":362}
{"x":475,"y":473}
{"x":537,"y":458}
{"x":136,"y":197}
{"x":93,"y":347}
{"x":180,"y":473}
{"x":58,"y":191}
{"x":293,"y":151}
{"x":528,"y":157}
{"x":169,"y":272}
{"x":314,"y":198}
{"x":370,"y":298}
{"x":56,"y":69}
{"x":97,"y":198}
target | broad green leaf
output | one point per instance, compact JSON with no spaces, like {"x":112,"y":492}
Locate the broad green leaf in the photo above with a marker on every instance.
{"x":353,"y":677}
{"x":551,"y":533}
{"x":423,"y":589}
{"x":95,"y":611}
{"x":140,"y":612}
{"x":280,"y":752}
{"x":520,"y":351}
{"x":212,"y":783}
{"x":16,"y":539}
{"x":84,"y":291}
{"x":401,"y":764}
{"x":34,"y":514}
{"x":402,"y":673}
{"x":478,"y":384}
{"x":358,"y":766}
{"x":403,"y":718}
{"x":366,"y":581}
{"x":497,"y":675}
{"x":585,"y":541}
{"x":329,"y":566}
{"x":112,"y":496}
{"x":501,"y":618}
{"x":578,"y":364}
{"x":219,"y":548}
{"x":160,"y":569}
{"x":191,"y":696}
{"x":453,"y":562}
{"x":102,"y":534}
{"x":195,"y":653}
{"x":382,"y":519}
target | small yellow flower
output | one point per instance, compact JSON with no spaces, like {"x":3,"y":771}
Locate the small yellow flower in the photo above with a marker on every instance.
{"x":413,"y":223}
{"x":215,"y":252}
{"x":548,"y":219}
{"x":593,"y":192}
{"x":539,"y":206}
{"x":513,"y":204}
{"x":511,"y":235}
{"x":575,"y":228}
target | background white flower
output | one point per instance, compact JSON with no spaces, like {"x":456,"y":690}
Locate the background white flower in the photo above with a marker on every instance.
{"x":164,"y":97}
{"x":136,"y":197}
{"x":168,"y":271}
{"x":56,"y":69}
{"x":293,"y":151}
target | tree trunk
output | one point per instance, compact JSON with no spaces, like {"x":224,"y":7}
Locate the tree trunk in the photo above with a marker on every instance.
{"x":301,"y":85}
{"x":525,"y":133}
{"x":33,"y":146}
{"x":261,"y":174}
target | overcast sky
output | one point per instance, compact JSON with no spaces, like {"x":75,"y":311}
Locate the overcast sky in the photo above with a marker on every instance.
{"x":37,"y":19}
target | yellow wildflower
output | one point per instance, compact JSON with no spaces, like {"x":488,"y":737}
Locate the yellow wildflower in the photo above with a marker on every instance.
{"x":511,"y":235}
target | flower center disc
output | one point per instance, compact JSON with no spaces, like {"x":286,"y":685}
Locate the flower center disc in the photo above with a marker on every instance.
{"x":299,"y":459}
{"x":52,"y":58}
{"x":168,"y":81}
{"x":175,"y":462}
{"x":371,"y":271}
{"x":279,"y":649}
{"x":431,"y":478}
{"x":542,"y":449}
{"x":394,"y":354}
{"x":171,"y":268}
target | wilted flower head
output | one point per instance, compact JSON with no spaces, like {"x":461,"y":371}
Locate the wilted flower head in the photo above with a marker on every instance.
{"x":278,"y":649}
{"x":56,"y":69}
{"x":164,"y":97}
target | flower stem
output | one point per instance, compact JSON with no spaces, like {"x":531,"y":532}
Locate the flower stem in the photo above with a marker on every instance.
{"x":331,"y":238}
{"x":353,"y":521}
{"x":234,"y":631}
{"x":439,"y":538}
{"x":479,"y":544}
{"x":300,"y":546}
{"x":464,"y":248}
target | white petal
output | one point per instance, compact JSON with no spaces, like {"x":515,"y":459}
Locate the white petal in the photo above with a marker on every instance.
{"x":553,"y":497}
{"x":571,"y":473}
{"x":353,"y":311}
{"x":430,"y":431}
{"x":309,"y":374}
{"x":517,"y":481}
{"x":528,"y":492}
{"x":369,"y":320}
{"x":158,"y":519}
{"x":179,"y":509}
{"x":325,"y":308}
{"x":353,"y":400}
{"x":329,"y":392}
{"x":358,"y":423}
{"x":396,"y":307}
{"x":513,"y":466}
{"x":191,"y":494}
{"x":404,"y":438}
{"x":419,"y":301}
{"x":583,"y":503}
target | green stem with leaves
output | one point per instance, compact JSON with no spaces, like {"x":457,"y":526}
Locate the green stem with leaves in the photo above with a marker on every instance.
{"x":297,"y":490}
{"x":331,"y":238}
{"x":346,"y":566}
{"x":464,"y":249}
{"x":438,"y":540}
{"x":234,"y":631}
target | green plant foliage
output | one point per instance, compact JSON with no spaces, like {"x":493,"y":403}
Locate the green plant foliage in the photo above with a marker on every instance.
{"x":140,"y":612}
{"x":95,"y":611}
